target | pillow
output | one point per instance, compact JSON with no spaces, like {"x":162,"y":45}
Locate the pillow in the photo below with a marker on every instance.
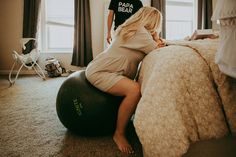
{"x":224,"y":9}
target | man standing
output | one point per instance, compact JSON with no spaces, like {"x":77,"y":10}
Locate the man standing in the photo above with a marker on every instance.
{"x":121,"y":10}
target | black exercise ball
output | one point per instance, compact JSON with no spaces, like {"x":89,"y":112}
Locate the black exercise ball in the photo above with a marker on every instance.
{"x":84,"y":109}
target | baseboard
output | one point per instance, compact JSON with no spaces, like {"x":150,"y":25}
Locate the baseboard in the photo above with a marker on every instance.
{"x":22,"y":72}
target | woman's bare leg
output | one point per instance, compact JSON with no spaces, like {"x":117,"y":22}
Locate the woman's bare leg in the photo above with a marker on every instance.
{"x":131,"y":92}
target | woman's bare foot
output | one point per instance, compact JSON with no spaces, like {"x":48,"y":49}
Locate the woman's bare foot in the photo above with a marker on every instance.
{"x":122,"y":143}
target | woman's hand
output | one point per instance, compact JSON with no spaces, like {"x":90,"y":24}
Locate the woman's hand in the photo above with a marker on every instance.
{"x":161,"y":42}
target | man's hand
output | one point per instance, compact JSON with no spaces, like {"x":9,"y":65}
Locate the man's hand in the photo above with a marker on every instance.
{"x":109,"y":39}
{"x":110,"y":18}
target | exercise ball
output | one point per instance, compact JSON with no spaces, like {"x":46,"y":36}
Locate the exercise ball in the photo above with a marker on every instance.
{"x":84,"y":109}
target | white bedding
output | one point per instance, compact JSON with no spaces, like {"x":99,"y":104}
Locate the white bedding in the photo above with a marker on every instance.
{"x":185,"y":98}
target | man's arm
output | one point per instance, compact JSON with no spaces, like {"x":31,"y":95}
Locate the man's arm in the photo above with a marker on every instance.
{"x":109,"y":25}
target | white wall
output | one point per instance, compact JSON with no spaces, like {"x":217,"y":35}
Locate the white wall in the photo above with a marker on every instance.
{"x":11,"y":32}
{"x":11,"y":19}
{"x":215,"y":26}
{"x":98,"y":22}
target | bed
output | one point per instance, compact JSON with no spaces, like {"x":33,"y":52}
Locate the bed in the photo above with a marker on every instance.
{"x":185,"y":98}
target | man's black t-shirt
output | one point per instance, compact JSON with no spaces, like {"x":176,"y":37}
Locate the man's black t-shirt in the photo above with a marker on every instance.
{"x":123,"y":9}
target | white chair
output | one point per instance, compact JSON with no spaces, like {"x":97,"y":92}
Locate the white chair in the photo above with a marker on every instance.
{"x":26,"y":60}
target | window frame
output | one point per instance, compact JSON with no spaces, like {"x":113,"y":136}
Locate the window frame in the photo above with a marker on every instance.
{"x":182,"y":3}
{"x":44,"y":32}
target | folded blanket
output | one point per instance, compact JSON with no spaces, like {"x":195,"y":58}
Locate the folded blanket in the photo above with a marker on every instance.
{"x":185,"y":98}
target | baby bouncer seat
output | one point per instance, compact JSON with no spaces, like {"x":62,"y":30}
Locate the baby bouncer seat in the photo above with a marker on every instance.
{"x":26,"y":60}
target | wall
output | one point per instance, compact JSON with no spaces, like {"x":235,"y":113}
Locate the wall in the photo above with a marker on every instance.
{"x":11,"y":19}
{"x":215,"y":26}
{"x":97,"y":18}
{"x":11,"y":14}
{"x":99,"y":23}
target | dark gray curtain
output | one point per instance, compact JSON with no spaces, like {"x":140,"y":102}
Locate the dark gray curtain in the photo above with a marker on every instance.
{"x":204,"y":14}
{"x":161,"y":6}
{"x":82,"y":50}
{"x":30,"y":22}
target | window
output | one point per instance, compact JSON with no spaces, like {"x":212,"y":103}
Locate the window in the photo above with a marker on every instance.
{"x":180,"y":18}
{"x":57,"y":26}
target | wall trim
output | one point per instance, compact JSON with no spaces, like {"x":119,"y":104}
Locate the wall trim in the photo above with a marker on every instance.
{"x":22,"y":72}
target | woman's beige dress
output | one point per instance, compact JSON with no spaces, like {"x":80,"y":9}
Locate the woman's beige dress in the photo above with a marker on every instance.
{"x":119,"y":60}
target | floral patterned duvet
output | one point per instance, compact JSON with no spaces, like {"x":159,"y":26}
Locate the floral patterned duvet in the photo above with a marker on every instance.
{"x":185,"y":98}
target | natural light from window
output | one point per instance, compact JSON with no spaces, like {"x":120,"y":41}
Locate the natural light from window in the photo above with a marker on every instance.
{"x":180,"y":18}
{"x":57,"y":25}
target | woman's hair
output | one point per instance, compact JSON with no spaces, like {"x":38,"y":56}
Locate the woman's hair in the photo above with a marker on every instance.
{"x":148,"y":17}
